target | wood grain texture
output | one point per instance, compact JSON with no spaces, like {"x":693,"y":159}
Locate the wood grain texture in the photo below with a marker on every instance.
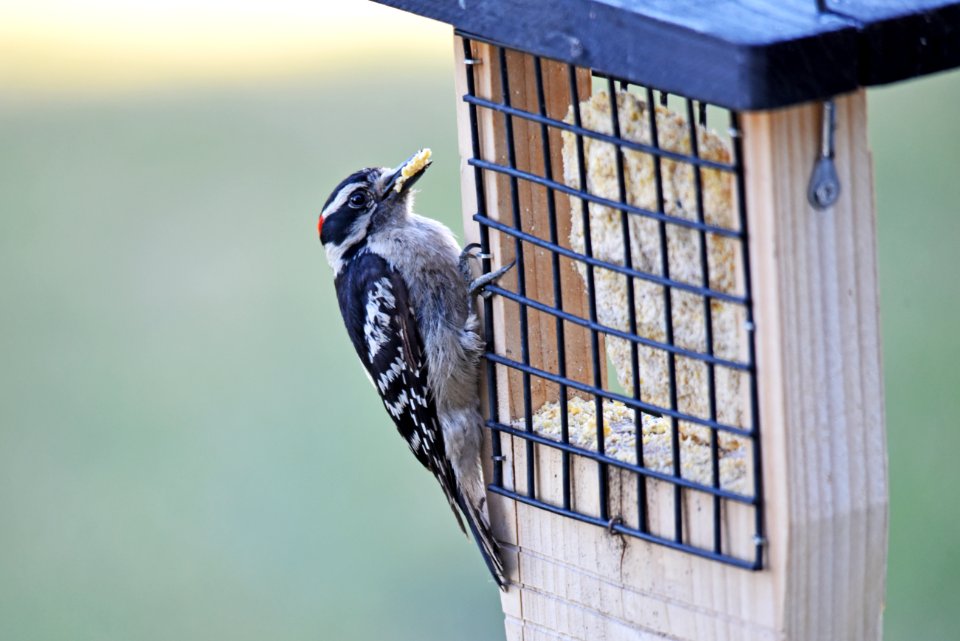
{"x":532,"y":199}
{"x":538,"y":269}
{"x":818,"y":341}
{"x":824,"y":457}
{"x":503,"y":513}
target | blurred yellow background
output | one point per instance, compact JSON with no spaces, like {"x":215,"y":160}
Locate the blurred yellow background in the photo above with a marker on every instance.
{"x":188,"y":448}
{"x":110,"y":44}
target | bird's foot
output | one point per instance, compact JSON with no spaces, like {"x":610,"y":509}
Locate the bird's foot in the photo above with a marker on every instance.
{"x":479,"y":285}
{"x":468,"y":252}
{"x":465,"y":256}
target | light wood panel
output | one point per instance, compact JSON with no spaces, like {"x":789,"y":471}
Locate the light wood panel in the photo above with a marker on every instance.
{"x":821,"y":410}
{"x":817,"y":311}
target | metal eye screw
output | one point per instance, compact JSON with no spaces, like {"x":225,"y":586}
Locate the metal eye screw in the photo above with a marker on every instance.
{"x":824,"y":188}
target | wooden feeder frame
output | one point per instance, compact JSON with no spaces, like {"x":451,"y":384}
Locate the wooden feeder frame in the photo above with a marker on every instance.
{"x":804,"y":557}
{"x":524,"y":135}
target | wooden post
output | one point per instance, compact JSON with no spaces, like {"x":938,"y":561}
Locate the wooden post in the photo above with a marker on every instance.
{"x":821,"y":389}
{"x":820,"y":393}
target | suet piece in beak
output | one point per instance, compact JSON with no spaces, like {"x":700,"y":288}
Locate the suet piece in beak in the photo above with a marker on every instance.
{"x":409,"y":172}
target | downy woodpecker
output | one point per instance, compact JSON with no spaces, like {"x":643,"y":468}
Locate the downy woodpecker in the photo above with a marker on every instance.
{"x":406,"y":295}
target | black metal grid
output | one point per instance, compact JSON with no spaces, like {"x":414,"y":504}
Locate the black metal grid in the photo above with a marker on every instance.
{"x":524,"y":241}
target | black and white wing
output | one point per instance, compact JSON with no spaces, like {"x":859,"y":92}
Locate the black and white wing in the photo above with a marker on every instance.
{"x":382,"y":326}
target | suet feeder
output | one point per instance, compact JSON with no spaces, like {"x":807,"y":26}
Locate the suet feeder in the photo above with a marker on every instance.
{"x":683,"y":383}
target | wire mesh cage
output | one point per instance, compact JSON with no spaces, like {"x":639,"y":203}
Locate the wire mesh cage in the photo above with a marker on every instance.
{"x":618,"y":151}
{"x":623,"y":207}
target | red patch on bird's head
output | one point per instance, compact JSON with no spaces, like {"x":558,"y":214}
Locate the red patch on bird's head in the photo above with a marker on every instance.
{"x":320,"y":226}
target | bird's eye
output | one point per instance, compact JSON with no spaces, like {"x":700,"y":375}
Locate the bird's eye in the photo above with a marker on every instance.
{"x":358,"y":199}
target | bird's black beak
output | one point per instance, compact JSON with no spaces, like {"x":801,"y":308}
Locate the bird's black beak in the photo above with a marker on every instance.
{"x":403,"y":177}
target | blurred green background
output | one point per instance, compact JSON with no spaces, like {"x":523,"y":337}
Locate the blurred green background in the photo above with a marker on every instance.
{"x":188,"y":449}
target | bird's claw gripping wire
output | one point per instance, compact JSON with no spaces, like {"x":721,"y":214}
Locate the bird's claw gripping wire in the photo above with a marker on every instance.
{"x":468,"y":253}
{"x":478,"y":285}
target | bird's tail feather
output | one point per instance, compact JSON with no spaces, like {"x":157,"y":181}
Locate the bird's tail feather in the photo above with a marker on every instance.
{"x":480,"y":528}
{"x":454,"y":500}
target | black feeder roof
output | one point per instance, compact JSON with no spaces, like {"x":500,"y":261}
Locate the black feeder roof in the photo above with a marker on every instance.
{"x":741,"y":54}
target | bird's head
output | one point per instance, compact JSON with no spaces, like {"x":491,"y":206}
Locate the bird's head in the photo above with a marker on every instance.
{"x":364,"y":202}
